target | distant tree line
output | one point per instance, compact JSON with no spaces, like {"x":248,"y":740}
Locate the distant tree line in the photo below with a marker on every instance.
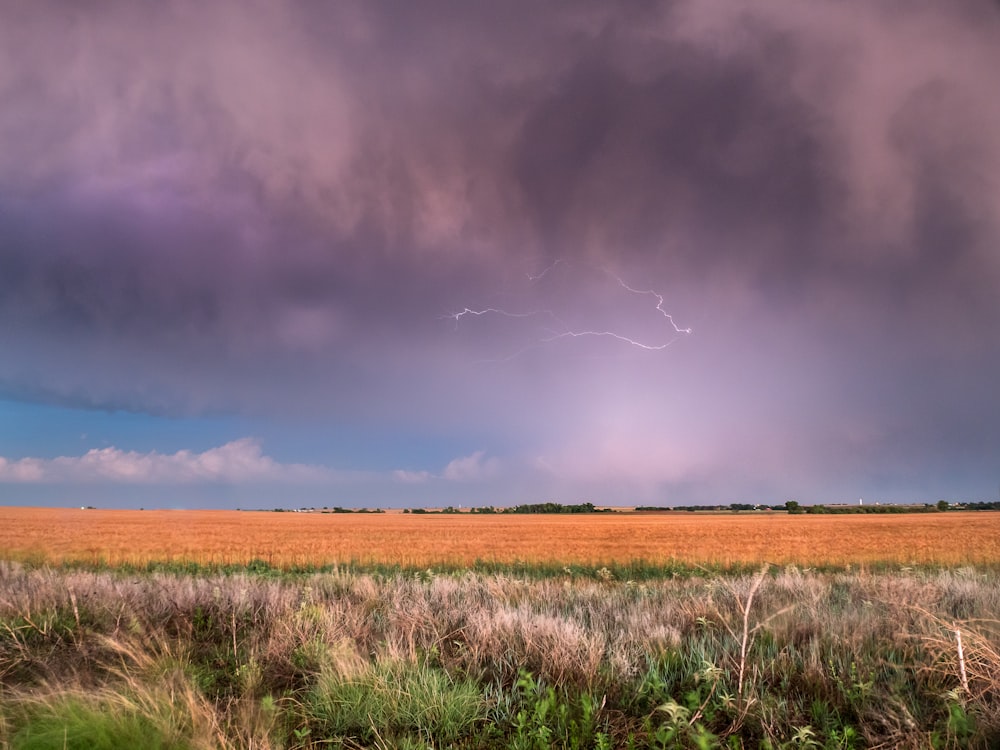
{"x":325,"y":509}
{"x":735,"y":507}
{"x":555,"y":508}
{"x":994,"y":505}
{"x":794,"y":507}
{"x":864,"y":509}
{"x":938,"y":507}
{"x":520,"y":509}
{"x":421,"y":511}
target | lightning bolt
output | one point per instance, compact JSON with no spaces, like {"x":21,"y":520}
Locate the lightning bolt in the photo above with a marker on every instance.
{"x":609,"y":334}
{"x":457,"y":316}
{"x":563,"y":331}
{"x":539,"y":276}
{"x":659,"y":303}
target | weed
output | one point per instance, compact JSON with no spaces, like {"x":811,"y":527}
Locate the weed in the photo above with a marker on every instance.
{"x":549,"y":719}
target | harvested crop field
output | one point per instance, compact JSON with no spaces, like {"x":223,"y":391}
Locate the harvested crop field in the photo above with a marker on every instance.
{"x":283,"y":539}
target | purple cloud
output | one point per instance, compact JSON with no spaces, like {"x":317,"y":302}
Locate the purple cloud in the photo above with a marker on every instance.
{"x":273,"y":209}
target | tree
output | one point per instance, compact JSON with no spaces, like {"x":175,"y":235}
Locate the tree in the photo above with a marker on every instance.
{"x":942,"y":505}
{"x":792,"y":506}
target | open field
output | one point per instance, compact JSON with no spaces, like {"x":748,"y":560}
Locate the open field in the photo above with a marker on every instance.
{"x":285,"y":539}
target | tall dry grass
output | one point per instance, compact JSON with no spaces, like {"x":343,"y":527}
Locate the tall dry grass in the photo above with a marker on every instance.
{"x":245,"y":660}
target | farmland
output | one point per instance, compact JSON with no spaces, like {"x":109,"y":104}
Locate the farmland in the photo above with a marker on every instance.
{"x":306,"y":539}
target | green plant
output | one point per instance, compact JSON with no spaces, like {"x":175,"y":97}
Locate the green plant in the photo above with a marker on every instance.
{"x":159,"y":717}
{"x":73,"y":724}
{"x":393,"y":699}
{"x":547,"y":719}
{"x":958,"y":727}
{"x":680,"y":729}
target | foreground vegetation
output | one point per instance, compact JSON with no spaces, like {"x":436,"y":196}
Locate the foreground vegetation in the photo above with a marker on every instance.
{"x":576,"y":658}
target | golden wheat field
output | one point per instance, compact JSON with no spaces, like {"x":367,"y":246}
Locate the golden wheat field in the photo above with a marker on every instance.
{"x":117,"y":536}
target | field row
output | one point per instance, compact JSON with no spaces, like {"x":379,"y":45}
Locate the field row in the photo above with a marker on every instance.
{"x":281,"y":539}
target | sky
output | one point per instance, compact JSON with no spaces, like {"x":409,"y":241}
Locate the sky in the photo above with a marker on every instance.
{"x":384,"y":254}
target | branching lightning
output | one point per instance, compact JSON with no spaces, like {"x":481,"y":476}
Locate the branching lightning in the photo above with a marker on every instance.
{"x":491,"y":311}
{"x":609,"y":334}
{"x":659,"y":304}
{"x":563,"y":331}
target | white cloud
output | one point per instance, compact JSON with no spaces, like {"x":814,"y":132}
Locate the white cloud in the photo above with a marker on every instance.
{"x":411,"y":477}
{"x":471,"y":468}
{"x":238,"y":461}
{"x":24,"y":470}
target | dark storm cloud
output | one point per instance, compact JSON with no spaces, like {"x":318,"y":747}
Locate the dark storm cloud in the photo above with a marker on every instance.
{"x":274,"y":207}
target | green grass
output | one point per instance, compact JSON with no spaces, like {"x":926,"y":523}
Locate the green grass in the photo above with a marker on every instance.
{"x":633,"y":570}
{"x":392,"y":700}
{"x":75,"y":721}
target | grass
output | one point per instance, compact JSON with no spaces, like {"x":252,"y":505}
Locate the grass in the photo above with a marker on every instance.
{"x":389,"y":700}
{"x":258,"y":658}
{"x":142,"y":701}
{"x":72,"y":722}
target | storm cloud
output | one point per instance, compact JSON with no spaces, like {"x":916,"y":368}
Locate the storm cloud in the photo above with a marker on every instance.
{"x":279,"y":209}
